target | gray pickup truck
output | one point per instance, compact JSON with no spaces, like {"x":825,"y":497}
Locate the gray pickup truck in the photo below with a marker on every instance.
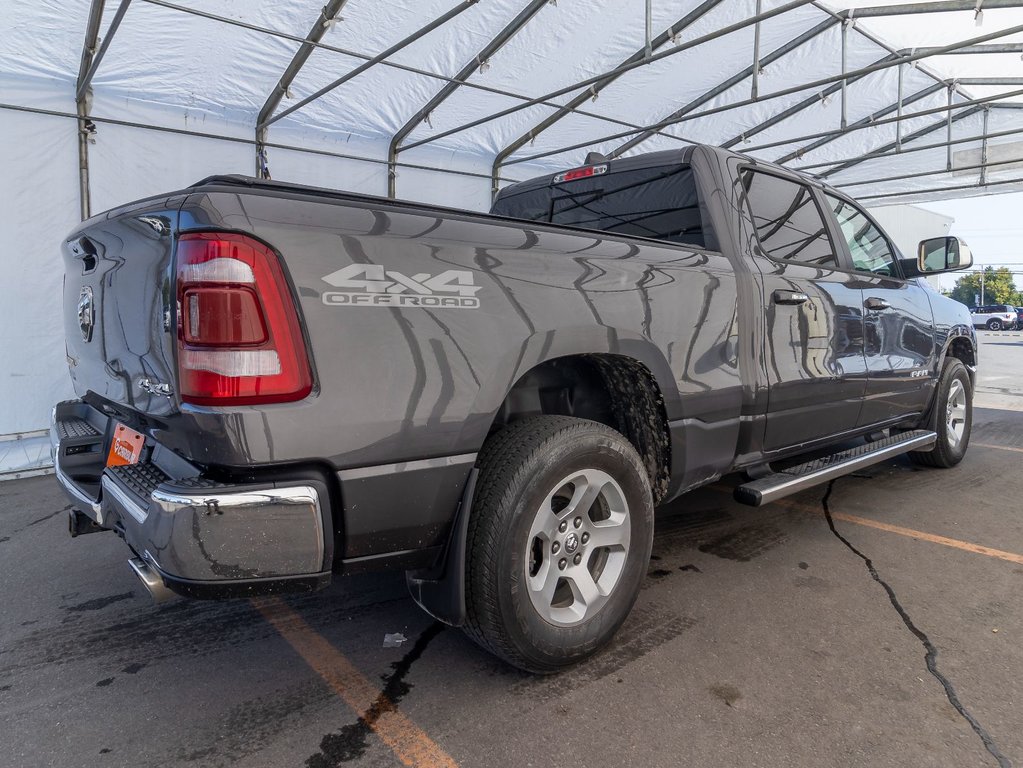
{"x":279,"y":384}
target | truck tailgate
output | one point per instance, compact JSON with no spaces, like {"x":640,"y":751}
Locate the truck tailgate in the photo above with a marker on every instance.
{"x":118,"y":305}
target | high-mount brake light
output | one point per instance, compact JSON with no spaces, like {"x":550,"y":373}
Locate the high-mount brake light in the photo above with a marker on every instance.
{"x":239,"y":340}
{"x":580,"y":173}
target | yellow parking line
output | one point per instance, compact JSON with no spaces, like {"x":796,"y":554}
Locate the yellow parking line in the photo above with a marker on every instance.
{"x":966,"y":546}
{"x":407,"y":740}
{"x":997,"y":447}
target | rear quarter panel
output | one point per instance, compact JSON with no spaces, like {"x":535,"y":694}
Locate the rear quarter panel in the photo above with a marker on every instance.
{"x":398,"y":384}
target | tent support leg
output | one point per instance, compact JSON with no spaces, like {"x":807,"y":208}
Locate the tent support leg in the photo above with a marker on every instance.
{"x":82,"y":98}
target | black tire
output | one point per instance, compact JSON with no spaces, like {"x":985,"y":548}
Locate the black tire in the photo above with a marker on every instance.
{"x":520,"y":467}
{"x":947,"y":452}
{"x":994,"y":324}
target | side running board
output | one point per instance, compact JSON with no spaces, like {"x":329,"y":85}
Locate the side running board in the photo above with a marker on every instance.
{"x":777,"y":485}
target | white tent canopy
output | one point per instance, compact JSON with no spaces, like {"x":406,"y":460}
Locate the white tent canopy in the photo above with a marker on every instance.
{"x":893,"y":102}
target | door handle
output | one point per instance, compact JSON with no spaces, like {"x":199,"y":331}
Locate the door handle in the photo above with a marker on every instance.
{"x":790,"y":297}
{"x":875,"y":303}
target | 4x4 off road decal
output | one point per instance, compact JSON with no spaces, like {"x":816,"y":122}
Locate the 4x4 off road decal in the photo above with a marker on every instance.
{"x":370,"y":285}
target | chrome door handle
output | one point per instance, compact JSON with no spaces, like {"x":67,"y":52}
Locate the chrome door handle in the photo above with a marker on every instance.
{"x":790,"y":297}
{"x":875,"y":303}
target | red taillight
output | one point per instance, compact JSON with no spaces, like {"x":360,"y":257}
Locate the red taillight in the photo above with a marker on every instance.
{"x":239,"y":342}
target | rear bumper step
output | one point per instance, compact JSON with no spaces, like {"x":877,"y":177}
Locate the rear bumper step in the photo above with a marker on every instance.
{"x":802,"y":476}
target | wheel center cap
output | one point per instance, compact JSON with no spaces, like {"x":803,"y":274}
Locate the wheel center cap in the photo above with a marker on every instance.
{"x":571,"y":543}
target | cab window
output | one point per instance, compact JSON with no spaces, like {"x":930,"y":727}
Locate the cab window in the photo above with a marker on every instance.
{"x":870,"y":249}
{"x":789,"y":224}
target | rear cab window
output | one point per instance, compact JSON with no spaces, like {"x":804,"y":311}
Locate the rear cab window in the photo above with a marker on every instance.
{"x":659,"y":202}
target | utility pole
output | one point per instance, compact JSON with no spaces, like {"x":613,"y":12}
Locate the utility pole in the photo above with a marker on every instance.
{"x":982,"y":287}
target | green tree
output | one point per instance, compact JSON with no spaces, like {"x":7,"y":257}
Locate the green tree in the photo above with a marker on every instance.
{"x":998,"y":288}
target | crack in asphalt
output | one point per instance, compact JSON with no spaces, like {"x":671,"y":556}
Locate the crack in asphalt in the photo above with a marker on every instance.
{"x":351,"y":741}
{"x":38,"y":520}
{"x":931,"y":655}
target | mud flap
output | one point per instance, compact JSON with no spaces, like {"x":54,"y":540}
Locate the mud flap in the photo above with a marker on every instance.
{"x":440,"y":591}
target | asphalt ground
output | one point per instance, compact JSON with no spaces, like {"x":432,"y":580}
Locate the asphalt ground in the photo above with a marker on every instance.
{"x":876,"y":621}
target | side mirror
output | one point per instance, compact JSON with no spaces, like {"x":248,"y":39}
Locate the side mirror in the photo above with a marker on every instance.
{"x":943,"y":254}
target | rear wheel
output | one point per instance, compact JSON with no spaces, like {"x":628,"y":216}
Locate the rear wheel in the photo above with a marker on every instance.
{"x":558,"y":543}
{"x":994,"y":324}
{"x":951,"y":417}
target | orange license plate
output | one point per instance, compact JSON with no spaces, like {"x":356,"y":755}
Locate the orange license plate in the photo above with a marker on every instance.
{"x":126,"y":447}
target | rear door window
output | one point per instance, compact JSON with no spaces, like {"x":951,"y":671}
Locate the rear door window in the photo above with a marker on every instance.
{"x":660,"y":203}
{"x":789,"y":224}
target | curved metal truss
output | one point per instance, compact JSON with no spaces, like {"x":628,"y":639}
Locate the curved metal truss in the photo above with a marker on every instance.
{"x":960,"y":104}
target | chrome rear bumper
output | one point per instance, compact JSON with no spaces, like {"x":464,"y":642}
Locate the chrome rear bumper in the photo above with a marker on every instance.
{"x":200,"y":537}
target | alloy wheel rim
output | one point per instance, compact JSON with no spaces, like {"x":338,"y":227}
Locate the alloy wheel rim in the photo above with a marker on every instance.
{"x":955,"y":414}
{"x":577,"y":547}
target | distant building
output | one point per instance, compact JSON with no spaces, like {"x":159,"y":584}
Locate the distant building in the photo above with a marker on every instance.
{"x":909,"y":224}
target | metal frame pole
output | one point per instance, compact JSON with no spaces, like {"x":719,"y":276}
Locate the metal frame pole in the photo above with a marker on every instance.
{"x":955,"y":188}
{"x":983,"y":149}
{"x":874,"y":154}
{"x":920,"y":174}
{"x":948,"y":135}
{"x":816,"y":98}
{"x":755,"y":84}
{"x":867,"y":122}
{"x":845,"y":47}
{"x":640,"y":55}
{"x":84,"y":83}
{"x":734,"y":80}
{"x":876,"y":67}
{"x":83,"y":96}
{"x":777,"y":11}
{"x":403,"y":43}
{"x":898,"y":125}
{"x":649,"y":30}
{"x":927,"y":129}
{"x":328,"y":16}
{"x":499,"y":40}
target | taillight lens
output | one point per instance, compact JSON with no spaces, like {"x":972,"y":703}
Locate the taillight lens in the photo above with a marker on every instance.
{"x":239,"y":341}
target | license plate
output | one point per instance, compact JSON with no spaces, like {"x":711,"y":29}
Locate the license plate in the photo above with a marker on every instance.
{"x":126,"y":447}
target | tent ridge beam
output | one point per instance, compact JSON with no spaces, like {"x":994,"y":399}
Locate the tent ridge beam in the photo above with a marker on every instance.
{"x":328,"y":14}
{"x":640,"y":55}
{"x":491,"y":48}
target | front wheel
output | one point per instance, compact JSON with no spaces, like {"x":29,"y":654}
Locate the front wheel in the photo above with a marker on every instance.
{"x":951,"y":417}
{"x":558,"y":542}
{"x":994,"y":325}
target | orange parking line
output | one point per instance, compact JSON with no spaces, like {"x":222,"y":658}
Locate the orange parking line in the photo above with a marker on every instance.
{"x":977,"y":549}
{"x":407,"y":740}
{"x":997,"y":447}
{"x":966,"y":546}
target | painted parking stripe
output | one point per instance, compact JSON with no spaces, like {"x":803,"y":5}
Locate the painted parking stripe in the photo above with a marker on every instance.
{"x":407,"y":741}
{"x":997,"y":447}
{"x":966,"y":546}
